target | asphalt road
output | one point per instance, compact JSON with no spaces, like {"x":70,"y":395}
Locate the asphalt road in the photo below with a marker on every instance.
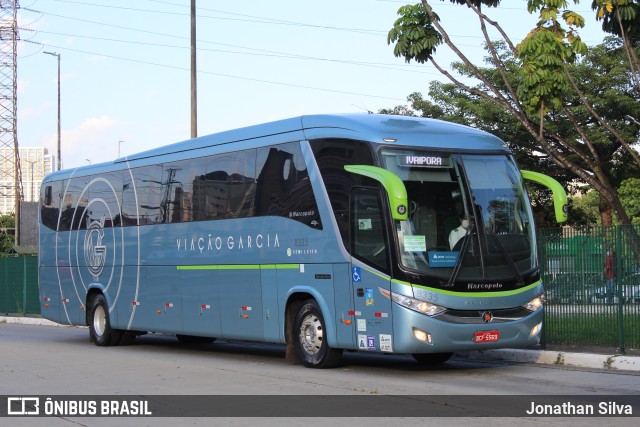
{"x":42,"y":360}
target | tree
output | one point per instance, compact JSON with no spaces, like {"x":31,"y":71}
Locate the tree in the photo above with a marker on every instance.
{"x":622,"y":18}
{"x":534,"y":84}
{"x":7,"y":224}
{"x":603,"y":72}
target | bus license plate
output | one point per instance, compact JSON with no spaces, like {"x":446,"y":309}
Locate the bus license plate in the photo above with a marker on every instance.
{"x":486,"y":336}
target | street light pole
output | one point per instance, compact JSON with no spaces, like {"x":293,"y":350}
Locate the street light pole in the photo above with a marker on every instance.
{"x":59,"y":154}
{"x":194,"y":90}
{"x":119,"y":148}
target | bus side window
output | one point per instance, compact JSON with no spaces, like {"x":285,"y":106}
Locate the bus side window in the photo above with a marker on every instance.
{"x":50,"y":205}
{"x":283,"y":186}
{"x":47,"y":195}
{"x":368,"y":236}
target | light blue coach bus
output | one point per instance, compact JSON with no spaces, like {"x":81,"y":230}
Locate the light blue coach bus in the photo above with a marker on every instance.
{"x":324,"y":232}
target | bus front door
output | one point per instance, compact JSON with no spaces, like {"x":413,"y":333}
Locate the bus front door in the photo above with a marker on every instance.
{"x":370,"y":250}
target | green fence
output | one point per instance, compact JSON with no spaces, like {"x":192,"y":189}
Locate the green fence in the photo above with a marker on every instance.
{"x":582,"y":311}
{"x":584,"y":307}
{"x":19,"y":285}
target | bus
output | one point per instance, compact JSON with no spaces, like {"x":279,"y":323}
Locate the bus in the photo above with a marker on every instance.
{"x":322,"y":232}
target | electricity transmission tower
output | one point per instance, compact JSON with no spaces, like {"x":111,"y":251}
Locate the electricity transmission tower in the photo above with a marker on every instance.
{"x":10,"y":173}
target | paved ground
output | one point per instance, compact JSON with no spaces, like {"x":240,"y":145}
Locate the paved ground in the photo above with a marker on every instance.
{"x":560,"y":358}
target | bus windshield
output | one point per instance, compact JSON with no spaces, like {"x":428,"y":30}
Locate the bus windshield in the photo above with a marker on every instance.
{"x":469,"y":216}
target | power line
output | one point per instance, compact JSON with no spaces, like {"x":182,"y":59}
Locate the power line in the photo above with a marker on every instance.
{"x":282,"y":54}
{"x":174,"y":67}
{"x":253,"y":19}
{"x":265,"y":53}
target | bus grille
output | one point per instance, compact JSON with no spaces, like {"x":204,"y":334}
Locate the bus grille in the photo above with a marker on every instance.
{"x":476,"y":316}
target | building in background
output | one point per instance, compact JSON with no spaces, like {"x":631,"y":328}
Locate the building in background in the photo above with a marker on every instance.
{"x":35,"y":163}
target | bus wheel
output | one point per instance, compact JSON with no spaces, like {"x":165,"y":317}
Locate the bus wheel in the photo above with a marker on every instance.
{"x":310,"y":335}
{"x":99,"y":326}
{"x":432,"y":358}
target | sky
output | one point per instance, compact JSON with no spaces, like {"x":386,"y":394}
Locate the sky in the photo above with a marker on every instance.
{"x":125,"y":66}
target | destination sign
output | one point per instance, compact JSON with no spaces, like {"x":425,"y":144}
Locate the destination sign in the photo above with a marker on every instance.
{"x":423,"y":161}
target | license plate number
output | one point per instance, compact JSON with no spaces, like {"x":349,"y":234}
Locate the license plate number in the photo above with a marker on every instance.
{"x":486,"y":336}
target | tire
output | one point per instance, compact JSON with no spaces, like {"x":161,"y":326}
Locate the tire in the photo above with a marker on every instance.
{"x":432,"y":358}
{"x":310,"y":336}
{"x":192,"y":339}
{"x":100,"y":330}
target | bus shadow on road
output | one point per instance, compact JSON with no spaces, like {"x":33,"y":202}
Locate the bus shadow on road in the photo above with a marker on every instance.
{"x":258,"y":352}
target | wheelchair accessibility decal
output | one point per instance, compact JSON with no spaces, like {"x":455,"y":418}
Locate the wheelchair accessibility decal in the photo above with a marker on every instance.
{"x":356,"y":274}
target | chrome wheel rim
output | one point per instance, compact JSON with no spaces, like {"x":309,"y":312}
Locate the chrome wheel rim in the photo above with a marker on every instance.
{"x":99,"y":320}
{"x":311,"y":334}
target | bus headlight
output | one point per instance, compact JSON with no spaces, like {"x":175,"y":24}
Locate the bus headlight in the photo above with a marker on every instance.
{"x":535,"y":304}
{"x":414,"y":304}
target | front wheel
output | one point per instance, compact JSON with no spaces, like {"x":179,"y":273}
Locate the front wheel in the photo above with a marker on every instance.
{"x":310,"y":335}
{"x":99,"y":325}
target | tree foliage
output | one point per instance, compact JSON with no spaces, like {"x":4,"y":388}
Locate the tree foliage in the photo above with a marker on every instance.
{"x":630,"y":194}
{"x":541,"y":85}
{"x":7,"y":223}
{"x":622,"y":18}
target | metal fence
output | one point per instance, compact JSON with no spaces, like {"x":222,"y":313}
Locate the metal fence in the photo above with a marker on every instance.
{"x":592,"y":286}
{"x":19,"y":285}
{"x":584,"y":310}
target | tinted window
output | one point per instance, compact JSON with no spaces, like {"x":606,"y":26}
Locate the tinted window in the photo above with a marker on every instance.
{"x":227,"y":188}
{"x":368,"y":228}
{"x":103,"y":196}
{"x":283,"y":187}
{"x":50,"y":198}
{"x":332,"y":156}
{"x":151,"y":195}
{"x":74,"y":205}
{"x":178,"y":185}
{"x":129,"y":203}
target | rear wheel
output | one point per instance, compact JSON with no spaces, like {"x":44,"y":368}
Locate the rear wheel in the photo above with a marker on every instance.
{"x":432,"y":358}
{"x":310,"y":337}
{"x":100,"y":329}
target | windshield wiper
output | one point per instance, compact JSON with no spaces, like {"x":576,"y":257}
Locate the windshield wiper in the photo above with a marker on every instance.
{"x":467,"y":239}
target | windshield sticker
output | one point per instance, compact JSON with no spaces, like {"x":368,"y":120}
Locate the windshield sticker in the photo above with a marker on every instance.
{"x":362,"y":325}
{"x":364,"y":224}
{"x":443,"y":259}
{"x":415,"y":243}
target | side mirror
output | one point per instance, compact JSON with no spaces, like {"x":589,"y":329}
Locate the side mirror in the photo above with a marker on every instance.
{"x":560,"y":202}
{"x":394,"y":186}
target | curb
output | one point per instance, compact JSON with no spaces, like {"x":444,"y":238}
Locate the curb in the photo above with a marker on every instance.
{"x":543,"y":357}
{"x":28,"y":321}
{"x":559,"y":358}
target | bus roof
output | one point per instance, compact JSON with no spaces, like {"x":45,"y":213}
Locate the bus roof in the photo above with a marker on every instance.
{"x":377,"y":128}
{"x":366,"y":127}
